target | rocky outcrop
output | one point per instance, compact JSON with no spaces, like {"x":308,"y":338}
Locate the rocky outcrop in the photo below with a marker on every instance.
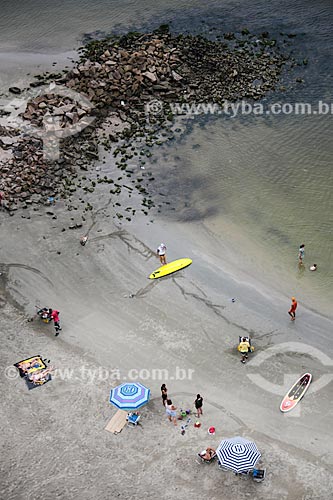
{"x":120,"y":76}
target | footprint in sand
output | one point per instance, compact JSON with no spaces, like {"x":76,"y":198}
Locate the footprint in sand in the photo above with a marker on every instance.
{"x":100,"y":248}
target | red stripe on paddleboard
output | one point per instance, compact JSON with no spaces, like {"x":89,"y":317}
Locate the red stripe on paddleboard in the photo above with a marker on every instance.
{"x":303,"y":382}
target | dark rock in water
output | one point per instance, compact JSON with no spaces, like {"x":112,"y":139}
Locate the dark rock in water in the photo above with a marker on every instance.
{"x":15,"y":90}
{"x":37,"y":84}
{"x":163,"y":29}
{"x":92,"y":155}
{"x":229,"y":36}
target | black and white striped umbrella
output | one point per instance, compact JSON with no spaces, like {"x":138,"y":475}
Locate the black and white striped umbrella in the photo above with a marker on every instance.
{"x":238,"y":454}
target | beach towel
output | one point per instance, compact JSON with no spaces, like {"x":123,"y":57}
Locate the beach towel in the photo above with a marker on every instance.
{"x":35,"y":371}
{"x":30,"y":365}
{"x":117,"y":422}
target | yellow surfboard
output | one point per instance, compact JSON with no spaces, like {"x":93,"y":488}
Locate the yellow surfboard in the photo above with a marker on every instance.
{"x":170,"y":268}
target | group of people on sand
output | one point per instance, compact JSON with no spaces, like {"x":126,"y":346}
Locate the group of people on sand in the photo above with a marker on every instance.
{"x":161,"y":253}
{"x":244,"y":346}
{"x":171,"y":409}
{"x":35,"y":370}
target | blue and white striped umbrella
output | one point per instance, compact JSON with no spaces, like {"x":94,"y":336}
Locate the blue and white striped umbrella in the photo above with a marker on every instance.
{"x":129,"y":396}
{"x":238,"y":454}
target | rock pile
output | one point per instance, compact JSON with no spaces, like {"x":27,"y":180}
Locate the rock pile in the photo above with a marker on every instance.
{"x":120,"y":75}
{"x":127,"y":72}
{"x":63,"y":110}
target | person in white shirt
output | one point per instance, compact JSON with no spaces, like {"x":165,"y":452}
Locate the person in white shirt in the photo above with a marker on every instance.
{"x":301,"y":253}
{"x":161,"y":252}
{"x":170,"y":410}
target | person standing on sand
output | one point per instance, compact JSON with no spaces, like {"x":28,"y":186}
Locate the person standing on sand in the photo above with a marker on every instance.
{"x":170,"y":410}
{"x":83,"y":240}
{"x":54,"y":315}
{"x":244,"y":347}
{"x":301,"y":253}
{"x":164,"y":392}
{"x":292,"y":310}
{"x":198,"y":405}
{"x":161,"y":251}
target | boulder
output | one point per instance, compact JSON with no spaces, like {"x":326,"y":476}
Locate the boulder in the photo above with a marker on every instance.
{"x":176,"y":76}
{"x":151,"y":76}
{"x":15,"y":90}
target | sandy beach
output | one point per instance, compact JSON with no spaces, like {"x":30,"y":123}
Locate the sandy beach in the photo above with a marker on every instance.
{"x":115,"y":321}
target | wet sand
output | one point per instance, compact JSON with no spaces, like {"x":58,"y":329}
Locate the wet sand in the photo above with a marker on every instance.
{"x":115,"y":319}
{"x":17,"y":65}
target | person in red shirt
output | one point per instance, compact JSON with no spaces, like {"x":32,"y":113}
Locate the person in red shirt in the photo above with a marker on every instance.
{"x":292,"y":310}
{"x":56,"y":320}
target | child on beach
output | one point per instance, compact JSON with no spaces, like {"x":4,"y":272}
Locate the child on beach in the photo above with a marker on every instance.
{"x":244,"y":347}
{"x":292,"y":310}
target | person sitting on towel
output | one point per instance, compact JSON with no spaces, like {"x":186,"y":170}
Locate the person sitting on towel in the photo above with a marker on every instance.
{"x":208,"y":453}
{"x":40,"y":376}
{"x":27,"y":365}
